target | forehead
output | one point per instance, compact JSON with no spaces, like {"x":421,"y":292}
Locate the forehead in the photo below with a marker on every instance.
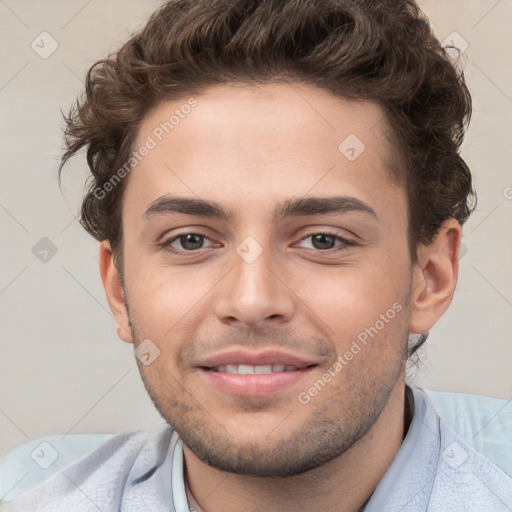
{"x":246,"y":144}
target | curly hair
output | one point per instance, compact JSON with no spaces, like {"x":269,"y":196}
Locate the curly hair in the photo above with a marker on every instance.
{"x":382,"y":51}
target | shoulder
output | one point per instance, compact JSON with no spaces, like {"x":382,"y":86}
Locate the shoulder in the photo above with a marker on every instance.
{"x":465,"y":479}
{"x":97,"y":479}
{"x":483,"y":422}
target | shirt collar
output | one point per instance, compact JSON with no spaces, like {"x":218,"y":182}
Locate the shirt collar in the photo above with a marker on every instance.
{"x":408,"y":482}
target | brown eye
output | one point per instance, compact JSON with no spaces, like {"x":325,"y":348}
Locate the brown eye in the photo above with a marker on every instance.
{"x":326,"y":242}
{"x":191,"y":241}
{"x":323,"y":241}
{"x":185,"y":243}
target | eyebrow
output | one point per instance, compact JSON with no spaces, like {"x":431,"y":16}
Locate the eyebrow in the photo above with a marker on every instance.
{"x":306,"y":206}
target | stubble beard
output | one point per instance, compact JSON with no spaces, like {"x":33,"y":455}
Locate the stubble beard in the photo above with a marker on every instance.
{"x":333,"y":426}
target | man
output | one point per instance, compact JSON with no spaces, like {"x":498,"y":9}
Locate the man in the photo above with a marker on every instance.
{"x":278,"y":195}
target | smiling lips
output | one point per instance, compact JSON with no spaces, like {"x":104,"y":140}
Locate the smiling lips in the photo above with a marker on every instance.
{"x":254,"y":374}
{"x":249,"y":369}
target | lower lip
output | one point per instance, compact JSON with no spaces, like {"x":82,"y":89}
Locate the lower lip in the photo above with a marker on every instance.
{"x":254,"y":384}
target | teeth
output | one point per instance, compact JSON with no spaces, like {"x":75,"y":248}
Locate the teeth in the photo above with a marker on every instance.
{"x":262,"y":369}
{"x":248,"y":369}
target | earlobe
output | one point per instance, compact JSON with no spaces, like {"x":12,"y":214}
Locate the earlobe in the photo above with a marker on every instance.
{"x":113,"y":286}
{"x":435,"y":278}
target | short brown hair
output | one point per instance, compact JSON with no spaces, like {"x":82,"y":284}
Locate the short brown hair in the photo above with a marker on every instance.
{"x":383,"y":51}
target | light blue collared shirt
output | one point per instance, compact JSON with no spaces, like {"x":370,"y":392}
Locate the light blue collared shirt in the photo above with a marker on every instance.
{"x":434,"y":471}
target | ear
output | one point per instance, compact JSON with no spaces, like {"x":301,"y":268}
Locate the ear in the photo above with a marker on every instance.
{"x":114,"y":291}
{"x":435,"y":277}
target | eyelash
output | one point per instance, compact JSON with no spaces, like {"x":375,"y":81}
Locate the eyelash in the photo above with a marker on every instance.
{"x":166,"y":245}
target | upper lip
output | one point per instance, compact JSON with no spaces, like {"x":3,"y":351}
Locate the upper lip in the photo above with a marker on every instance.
{"x":266,"y":357}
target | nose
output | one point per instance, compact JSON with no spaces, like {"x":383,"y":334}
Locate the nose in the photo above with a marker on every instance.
{"x":254,"y":292}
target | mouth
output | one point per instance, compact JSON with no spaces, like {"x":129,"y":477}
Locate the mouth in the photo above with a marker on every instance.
{"x":244,"y":373}
{"x":248,"y":369}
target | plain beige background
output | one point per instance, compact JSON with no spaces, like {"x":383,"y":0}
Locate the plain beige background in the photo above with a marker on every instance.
{"x":62,"y":368}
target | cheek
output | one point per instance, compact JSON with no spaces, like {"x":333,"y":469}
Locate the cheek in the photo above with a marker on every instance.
{"x":352,"y":297}
{"x":367,"y":321}
{"x":164,"y":300}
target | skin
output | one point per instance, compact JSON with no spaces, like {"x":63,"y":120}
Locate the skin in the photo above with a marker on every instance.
{"x":250,"y":148}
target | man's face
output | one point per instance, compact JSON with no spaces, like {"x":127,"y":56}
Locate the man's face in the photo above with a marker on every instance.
{"x":249,"y":293}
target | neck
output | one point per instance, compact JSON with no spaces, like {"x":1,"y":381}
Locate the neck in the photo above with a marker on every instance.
{"x":342,"y":485}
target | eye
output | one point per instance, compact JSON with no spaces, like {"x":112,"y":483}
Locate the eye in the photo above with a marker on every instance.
{"x":192,"y":242}
{"x":189,"y":242}
{"x":323,"y":242}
